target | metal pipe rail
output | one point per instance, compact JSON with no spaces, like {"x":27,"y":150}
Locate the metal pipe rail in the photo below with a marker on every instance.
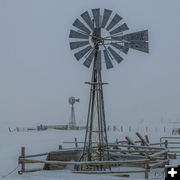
{"x":175,"y":145}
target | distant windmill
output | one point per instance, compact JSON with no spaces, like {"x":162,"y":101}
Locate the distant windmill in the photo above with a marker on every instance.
{"x":72,"y":122}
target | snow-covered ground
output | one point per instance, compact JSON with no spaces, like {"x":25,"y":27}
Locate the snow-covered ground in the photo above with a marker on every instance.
{"x":45,"y":141}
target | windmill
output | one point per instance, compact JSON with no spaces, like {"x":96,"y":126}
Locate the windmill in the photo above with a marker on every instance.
{"x":98,"y":40}
{"x":72,"y":123}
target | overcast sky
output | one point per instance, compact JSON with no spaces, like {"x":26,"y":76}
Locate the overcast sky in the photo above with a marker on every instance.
{"x":38,"y":71}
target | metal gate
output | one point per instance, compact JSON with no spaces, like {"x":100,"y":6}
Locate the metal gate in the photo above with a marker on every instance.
{"x":173,"y":144}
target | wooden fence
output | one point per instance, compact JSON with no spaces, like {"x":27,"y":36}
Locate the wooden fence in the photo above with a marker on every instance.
{"x":140,"y":153}
{"x":95,"y":166}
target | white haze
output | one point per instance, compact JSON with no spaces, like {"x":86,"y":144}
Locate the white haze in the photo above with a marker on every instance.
{"x":38,"y":71}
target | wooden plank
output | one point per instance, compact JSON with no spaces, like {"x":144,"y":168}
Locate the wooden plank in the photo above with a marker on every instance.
{"x":35,"y":155}
{"x":131,"y":150}
{"x":137,"y":156}
{"x":129,"y":140}
{"x":142,"y":161}
{"x":109,"y":172}
{"x":142,"y":147}
{"x":158,"y":164}
{"x":30,"y":170}
{"x":147,"y":138}
{"x":155,"y":144}
{"x":142,"y":139}
{"x":158,"y":153}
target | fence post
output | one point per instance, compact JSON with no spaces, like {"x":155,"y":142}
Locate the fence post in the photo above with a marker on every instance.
{"x":116,"y":147}
{"x":147,"y":139}
{"x":166,"y":154}
{"x":146,"y":166}
{"x":166,"y":143}
{"x":121,"y":128}
{"x":22,"y":163}
{"x":146,"y":129}
{"x":76,"y":142}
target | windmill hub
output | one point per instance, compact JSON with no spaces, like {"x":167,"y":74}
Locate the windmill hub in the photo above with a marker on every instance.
{"x":97,"y":40}
{"x":96,"y":36}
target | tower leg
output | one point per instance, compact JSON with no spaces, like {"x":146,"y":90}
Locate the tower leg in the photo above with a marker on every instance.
{"x":72,"y":123}
{"x":96,"y":149}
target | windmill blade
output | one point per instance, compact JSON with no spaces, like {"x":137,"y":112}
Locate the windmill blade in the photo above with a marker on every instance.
{"x":89,"y":59}
{"x":118,"y":38}
{"x":81,"y":53}
{"x":78,"y":24}
{"x":119,"y":29}
{"x":96,"y":15}
{"x":137,"y":36}
{"x":116,"y":56}
{"x":124,"y":49}
{"x":74,"y":34}
{"x":78,"y":44}
{"x":138,"y":45}
{"x":87,"y":19}
{"x":98,"y":61}
{"x":106,"y":16}
{"x":113,"y":22}
{"x":107,"y":60}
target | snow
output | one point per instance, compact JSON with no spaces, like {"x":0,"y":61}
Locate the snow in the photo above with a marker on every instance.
{"x":52,"y":175}
{"x":45,"y":141}
{"x":37,"y":142}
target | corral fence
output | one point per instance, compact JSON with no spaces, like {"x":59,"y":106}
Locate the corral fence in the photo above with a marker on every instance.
{"x":145,"y":157}
{"x":96,"y":166}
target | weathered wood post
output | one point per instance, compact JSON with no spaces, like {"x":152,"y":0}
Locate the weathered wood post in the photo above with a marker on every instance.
{"x":146,"y":166}
{"x":76,"y":143}
{"x":166,"y":143}
{"x":147,"y":139}
{"x":60,"y":147}
{"x":20,"y":162}
{"x":116,"y":147}
{"x":143,"y":142}
{"x":121,"y":128}
{"x":164,"y":129}
{"x":166,"y":154}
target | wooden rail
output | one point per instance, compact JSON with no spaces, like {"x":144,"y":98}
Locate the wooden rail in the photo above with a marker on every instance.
{"x":164,"y":152}
{"x":95,"y":163}
{"x":140,"y":147}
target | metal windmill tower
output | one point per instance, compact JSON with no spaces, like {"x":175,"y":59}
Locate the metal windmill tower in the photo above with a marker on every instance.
{"x":100,"y":39}
{"x":72,"y":123}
